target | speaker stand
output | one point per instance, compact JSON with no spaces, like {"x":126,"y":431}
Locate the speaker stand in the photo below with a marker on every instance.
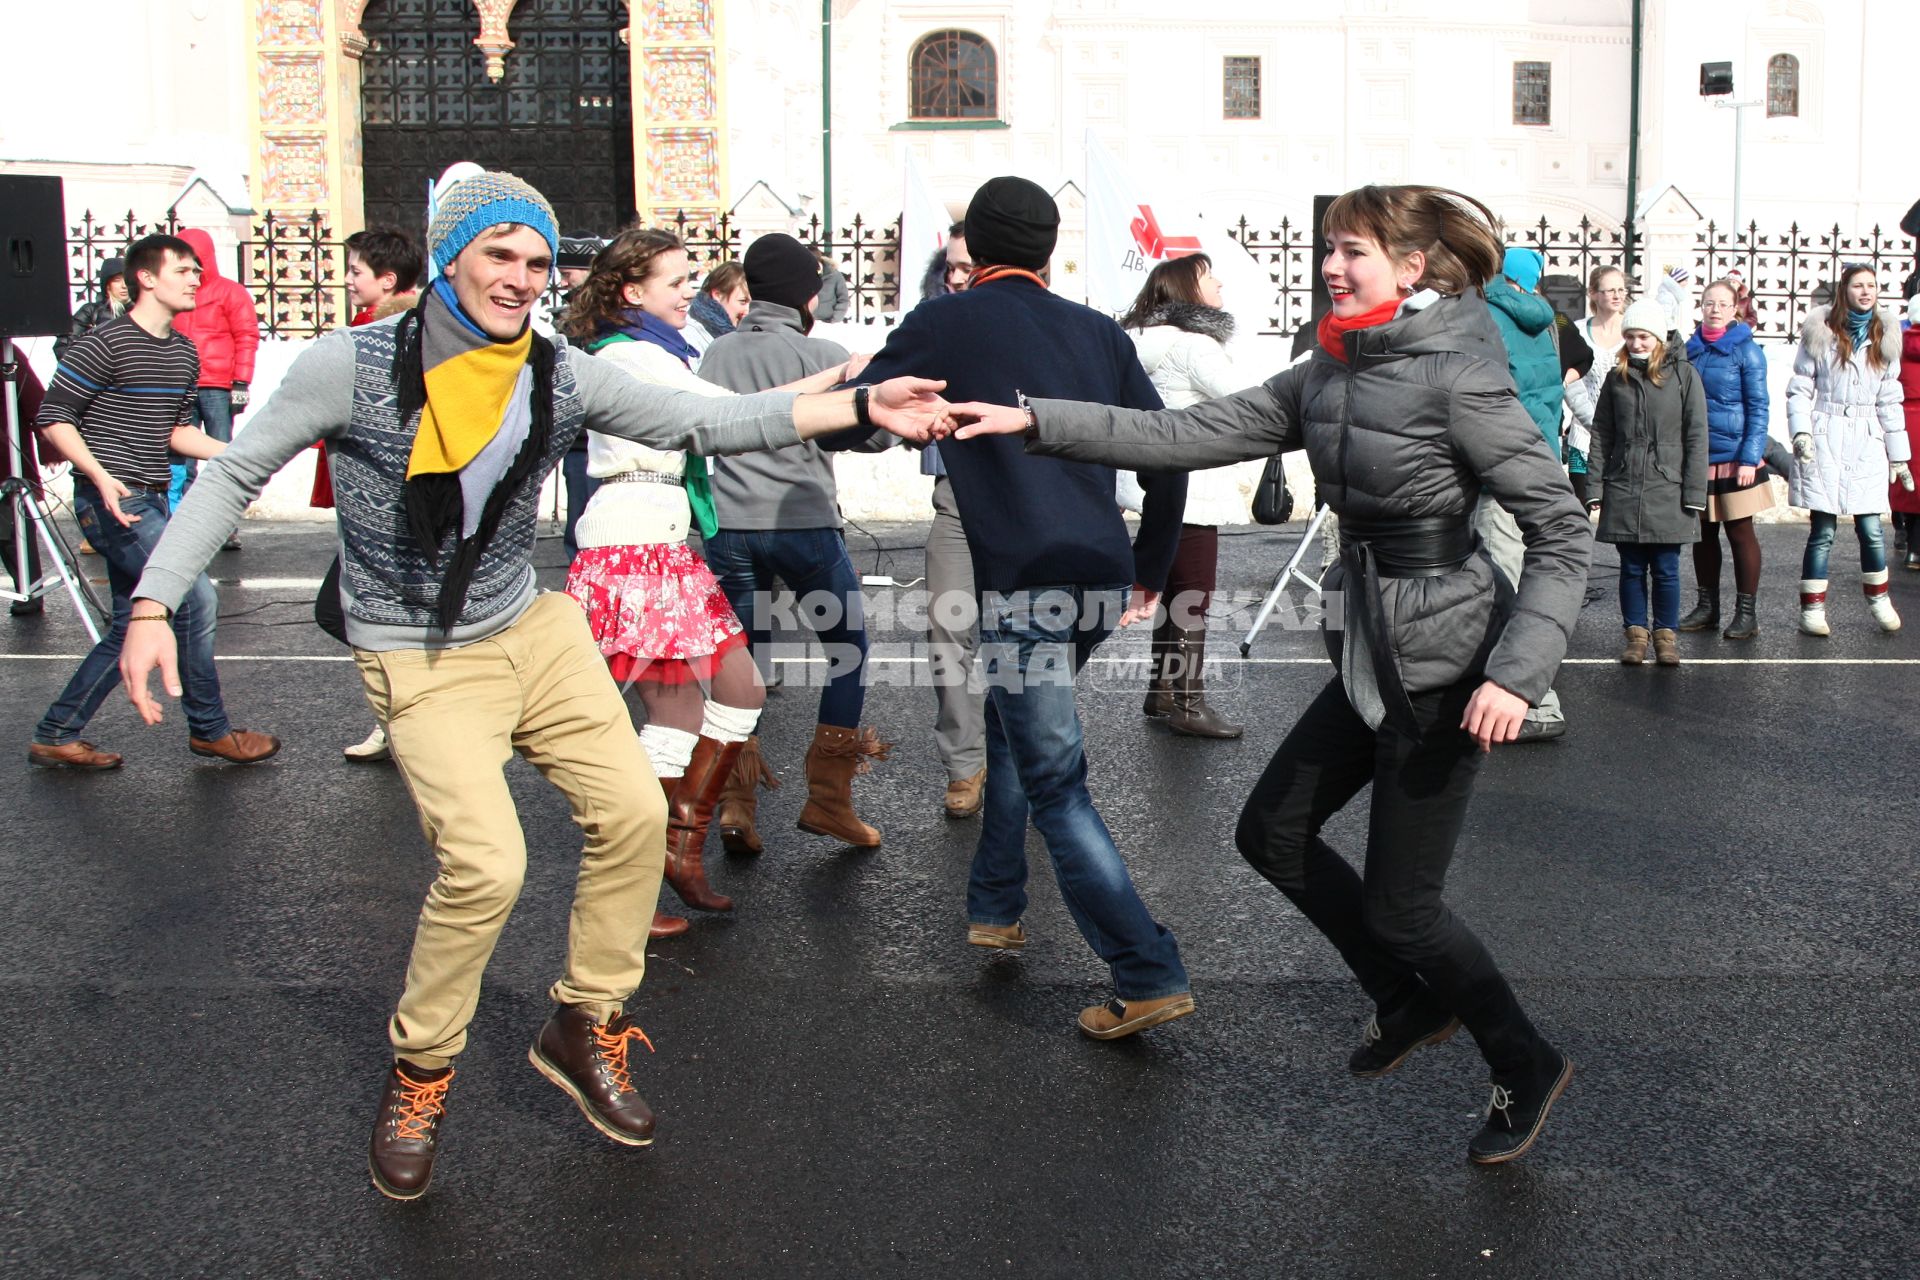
{"x":24,"y":508}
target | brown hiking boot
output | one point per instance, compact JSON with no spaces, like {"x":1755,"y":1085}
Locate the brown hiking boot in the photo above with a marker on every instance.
{"x":689,"y":811}
{"x":1635,"y":651}
{"x":1666,"y":647}
{"x":589,"y":1061}
{"x":836,"y":756}
{"x":968,"y":796}
{"x":406,"y":1130}
{"x":1117,"y":1017}
{"x":735,"y":813}
{"x":242,"y":746}
{"x":71,"y":755}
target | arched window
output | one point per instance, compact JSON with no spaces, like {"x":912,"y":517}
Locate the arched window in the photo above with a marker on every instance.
{"x":1783,"y":85}
{"x":955,"y":77}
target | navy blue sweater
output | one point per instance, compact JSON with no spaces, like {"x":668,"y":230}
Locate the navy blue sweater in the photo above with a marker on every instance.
{"x":1030,"y":520}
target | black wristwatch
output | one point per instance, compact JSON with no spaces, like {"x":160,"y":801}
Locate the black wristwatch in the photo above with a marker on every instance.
{"x":861,"y":416}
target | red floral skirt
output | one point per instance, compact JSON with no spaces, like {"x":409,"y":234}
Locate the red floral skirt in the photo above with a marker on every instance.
{"x":656,"y":611}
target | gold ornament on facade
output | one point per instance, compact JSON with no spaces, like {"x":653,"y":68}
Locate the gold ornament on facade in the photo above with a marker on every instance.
{"x":492,"y":39}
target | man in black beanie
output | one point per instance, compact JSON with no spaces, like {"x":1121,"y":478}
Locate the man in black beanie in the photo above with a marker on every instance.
{"x":780,"y":517}
{"x":1055,"y":570}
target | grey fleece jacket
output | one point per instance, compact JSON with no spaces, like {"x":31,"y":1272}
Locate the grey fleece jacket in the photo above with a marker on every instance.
{"x":791,"y":488}
{"x":329,"y":394}
{"x":1418,"y":422}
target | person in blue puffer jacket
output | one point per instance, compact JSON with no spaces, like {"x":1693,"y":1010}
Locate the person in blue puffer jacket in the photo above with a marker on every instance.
{"x":1734,"y":372}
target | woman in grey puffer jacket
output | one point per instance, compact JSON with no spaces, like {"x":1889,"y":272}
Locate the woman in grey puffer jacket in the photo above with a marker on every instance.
{"x":1407,"y":413}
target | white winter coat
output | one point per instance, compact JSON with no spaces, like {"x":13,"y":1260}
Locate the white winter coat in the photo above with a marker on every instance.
{"x":1852,"y":411}
{"x":1187,"y":367}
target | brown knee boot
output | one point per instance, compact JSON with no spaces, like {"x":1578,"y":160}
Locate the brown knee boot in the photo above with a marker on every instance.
{"x":664,"y":925}
{"x":738,"y":800}
{"x":1158,"y":704}
{"x":1190,"y":713}
{"x":836,"y":756}
{"x":689,"y":811}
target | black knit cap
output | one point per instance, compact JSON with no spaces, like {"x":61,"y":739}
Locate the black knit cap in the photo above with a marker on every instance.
{"x":1012,"y":223}
{"x":577,"y":251}
{"x":781,"y":270}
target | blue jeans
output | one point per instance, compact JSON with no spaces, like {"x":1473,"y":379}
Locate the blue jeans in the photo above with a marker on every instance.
{"x":814,"y":565}
{"x":213,"y":414}
{"x":1662,"y":560}
{"x":1031,"y":646}
{"x":126,"y":550}
{"x":1873,"y":546}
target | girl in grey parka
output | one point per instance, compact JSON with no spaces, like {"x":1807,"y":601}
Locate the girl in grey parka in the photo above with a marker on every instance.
{"x":1647,"y":475}
{"x":1843,"y":407}
{"x":1407,"y":413}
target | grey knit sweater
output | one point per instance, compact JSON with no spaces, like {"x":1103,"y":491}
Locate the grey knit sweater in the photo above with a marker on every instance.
{"x":342,"y":391}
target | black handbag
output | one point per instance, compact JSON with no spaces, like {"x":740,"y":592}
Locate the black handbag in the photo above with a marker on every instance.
{"x":1272,"y":500}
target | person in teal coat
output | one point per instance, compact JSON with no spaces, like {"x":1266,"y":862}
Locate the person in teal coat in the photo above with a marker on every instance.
{"x":1525,"y":320}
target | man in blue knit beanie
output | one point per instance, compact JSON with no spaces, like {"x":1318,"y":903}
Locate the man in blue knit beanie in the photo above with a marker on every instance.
{"x":440,"y":429}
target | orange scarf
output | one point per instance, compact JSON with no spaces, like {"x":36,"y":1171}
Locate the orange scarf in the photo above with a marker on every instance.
{"x":1333,"y":329}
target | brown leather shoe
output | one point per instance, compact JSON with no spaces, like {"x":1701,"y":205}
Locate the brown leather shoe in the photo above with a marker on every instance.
{"x":968,"y":796}
{"x":739,"y":803}
{"x":71,"y":755}
{"x":242,"y":746}
{"x":1117,"y":1017}
{"x":406,"y":1130}
{"x":689,"y":812}
{"x":666,"y":926}
{"x":836,"y":756}
{"x":589,"y":1061}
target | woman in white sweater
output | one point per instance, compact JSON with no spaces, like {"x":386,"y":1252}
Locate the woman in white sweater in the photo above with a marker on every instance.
{"x":659,"y":616}
{"x":1181,"y":333}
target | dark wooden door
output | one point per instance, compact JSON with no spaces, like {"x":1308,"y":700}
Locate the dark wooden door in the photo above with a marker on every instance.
{"x":562,"y":118}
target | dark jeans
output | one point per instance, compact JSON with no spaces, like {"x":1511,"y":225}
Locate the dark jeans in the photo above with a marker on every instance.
{"x":1873,"y":547}
{"x":125,"y":551}
{"x":213,"y":414}
{"x":1661,"y":560}
{"x":1031,"y":647}
{"x":1389,"y":925}
{"x":814,"y":565}
{"x":580,"y":490}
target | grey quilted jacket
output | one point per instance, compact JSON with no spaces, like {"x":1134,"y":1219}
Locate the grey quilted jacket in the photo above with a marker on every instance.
{"x":1418,"y":422}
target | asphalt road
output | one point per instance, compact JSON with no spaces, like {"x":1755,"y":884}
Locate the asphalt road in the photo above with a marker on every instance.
{"x":1705,"y":894}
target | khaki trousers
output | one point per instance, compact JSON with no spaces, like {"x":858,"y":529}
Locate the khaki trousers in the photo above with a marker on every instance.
{"x":454,"y":718}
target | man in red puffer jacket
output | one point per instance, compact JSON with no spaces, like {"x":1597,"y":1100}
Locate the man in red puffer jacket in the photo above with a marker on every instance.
{"x":225,"y":329}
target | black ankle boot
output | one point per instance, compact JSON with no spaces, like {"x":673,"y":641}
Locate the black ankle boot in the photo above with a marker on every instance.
{"x":1519,"y":1108}
{"x":1705,"y":614}
{"x":1392,"y":1037}
{"x":1746,"y":622}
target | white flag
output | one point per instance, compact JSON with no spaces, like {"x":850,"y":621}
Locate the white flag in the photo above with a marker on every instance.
{"x":923,"y":231}
{"x":1128,"y":235}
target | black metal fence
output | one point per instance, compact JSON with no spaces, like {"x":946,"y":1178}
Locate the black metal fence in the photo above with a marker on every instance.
{"x":296,"y":270}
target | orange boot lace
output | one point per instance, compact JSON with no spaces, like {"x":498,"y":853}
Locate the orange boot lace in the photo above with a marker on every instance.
{"x":421,"y":1103}
{"x":613,"y":1051}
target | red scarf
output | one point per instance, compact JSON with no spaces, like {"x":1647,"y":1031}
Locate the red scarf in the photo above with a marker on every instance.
{"x":1334,"y":330}
{"x":986,"y":275}
{"x":1713,"y":335}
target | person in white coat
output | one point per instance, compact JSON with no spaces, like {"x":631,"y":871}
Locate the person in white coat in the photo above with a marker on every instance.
{"x":654,"y":607}
{"x":1600,"y":329}
{"x":1843,"y":409}
{"x":1181,"y":333}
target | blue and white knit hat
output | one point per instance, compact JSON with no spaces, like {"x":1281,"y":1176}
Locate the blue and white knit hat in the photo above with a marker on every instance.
{"x":474,"y":204}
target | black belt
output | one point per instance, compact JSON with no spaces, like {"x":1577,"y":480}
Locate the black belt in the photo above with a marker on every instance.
{"x":1416,"y":547}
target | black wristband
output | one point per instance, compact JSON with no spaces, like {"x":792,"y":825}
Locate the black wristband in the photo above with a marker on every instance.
{"x":861,"y":417}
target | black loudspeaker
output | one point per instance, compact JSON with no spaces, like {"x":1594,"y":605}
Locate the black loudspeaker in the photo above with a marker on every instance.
{"x":33,"y":257}
{"x":1716,"y":79}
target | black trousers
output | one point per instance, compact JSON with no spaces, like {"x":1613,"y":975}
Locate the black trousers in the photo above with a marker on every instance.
{"x":1389,"y":924}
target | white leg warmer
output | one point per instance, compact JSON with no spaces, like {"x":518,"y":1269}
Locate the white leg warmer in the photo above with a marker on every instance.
{"x":727,"y":724}
{"x":669,"y":749}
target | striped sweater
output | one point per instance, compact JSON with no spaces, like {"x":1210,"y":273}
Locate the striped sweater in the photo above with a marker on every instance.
{"x":126,"y":391}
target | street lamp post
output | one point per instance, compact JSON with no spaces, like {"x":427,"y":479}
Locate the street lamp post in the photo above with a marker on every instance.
{"x":1739,"y":110}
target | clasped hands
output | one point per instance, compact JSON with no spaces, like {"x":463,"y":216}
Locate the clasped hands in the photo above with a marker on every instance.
{"x":913,"y":409}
